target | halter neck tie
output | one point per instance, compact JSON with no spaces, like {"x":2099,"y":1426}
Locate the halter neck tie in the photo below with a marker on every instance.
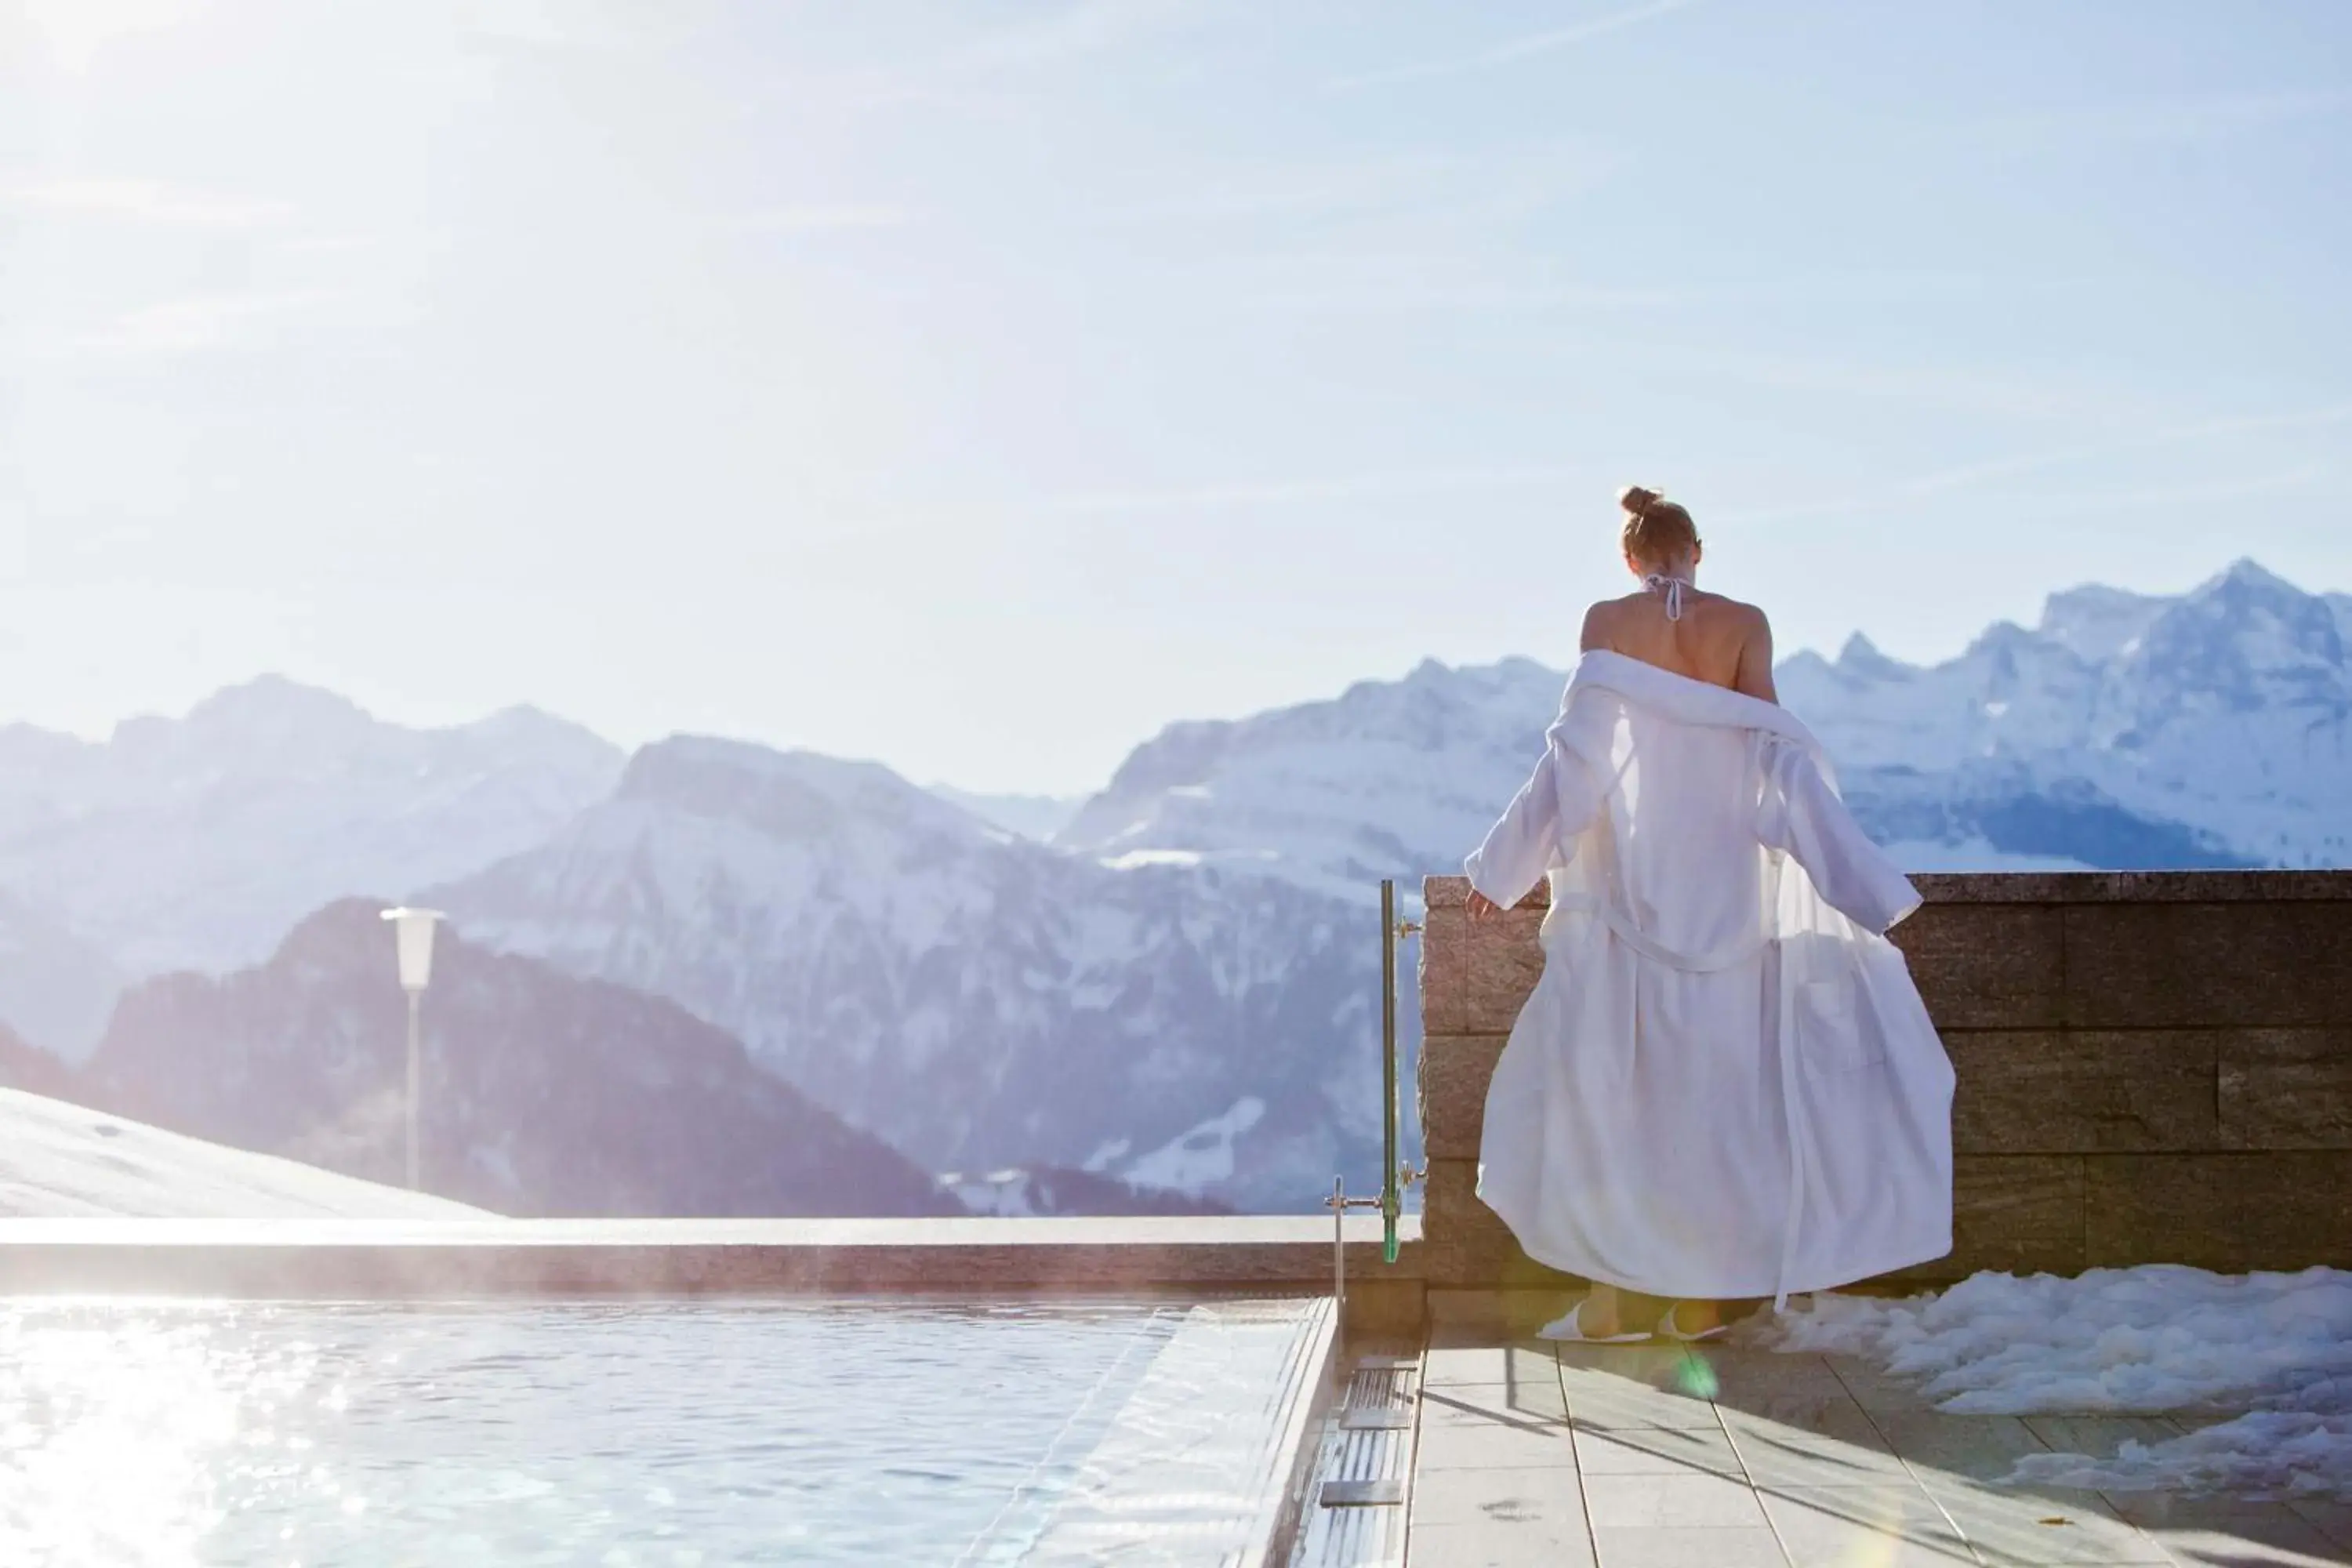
{"x":1672,"y":587}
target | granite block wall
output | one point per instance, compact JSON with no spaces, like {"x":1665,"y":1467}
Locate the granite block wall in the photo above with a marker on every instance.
{"x":2154,"y":1067}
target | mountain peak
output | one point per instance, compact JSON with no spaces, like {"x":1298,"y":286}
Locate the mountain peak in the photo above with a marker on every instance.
{"x":2095,"y":621}
{"x":274,"y":706}
{"x":2246,"y":586}
{"x":2245,"y":641}
{"x":787,"y":795}
{"x":1861,"y":656}
{"x":526,"y":725}
{"x":1429,"y":672}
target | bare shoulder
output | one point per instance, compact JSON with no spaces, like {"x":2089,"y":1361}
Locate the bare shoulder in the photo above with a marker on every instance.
{"x":1598,"y":619}
{"x":1739,"y":613}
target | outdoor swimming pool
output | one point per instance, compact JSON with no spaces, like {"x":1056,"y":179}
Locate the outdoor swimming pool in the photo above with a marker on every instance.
{"x":662,"y":1434}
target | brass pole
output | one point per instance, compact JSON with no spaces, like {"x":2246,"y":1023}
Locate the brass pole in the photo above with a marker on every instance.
{"x":414,"y":998}
{"x":1391,"y":1197}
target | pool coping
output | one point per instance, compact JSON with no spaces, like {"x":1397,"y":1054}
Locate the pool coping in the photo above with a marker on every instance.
{"x":1313,"y":1394}
{"x":417,"y":1259}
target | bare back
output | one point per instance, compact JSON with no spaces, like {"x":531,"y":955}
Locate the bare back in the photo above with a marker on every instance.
{"x":1717,"y":640}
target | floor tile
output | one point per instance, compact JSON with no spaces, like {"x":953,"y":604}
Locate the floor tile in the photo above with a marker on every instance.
{"x":1647,"y":1362}
{"x":2009,"y":1528}
{"x":1874,"y":1390}
{"x":1656,"y":1450}
{"x":2100,"y":1435}
{"x":1688,"y":1500}
{"x":1884,"y":1527}
{"x":1502,"y":1543}
{"x":2334,"y":1519}
{"x":1838,"y":1447}
{"x":1629,"y":1404}
{"x":1641,"y":1387}
{"x":1470,"y":1403}
{"x":1800,"y":1406}
{"x":2229,"y":1530}
{"x":1454,"y":1323}
{"x":1495,"y":1446}
{"x":1731,"y":1377}
{"x":1509,"y":1496}
{"x":1976,"y":1448}
{"x":2246,"y":1543}
{"x":2154,"y":1509}
{"x":1525,"y":1362}
{"x":1675,"y":1546}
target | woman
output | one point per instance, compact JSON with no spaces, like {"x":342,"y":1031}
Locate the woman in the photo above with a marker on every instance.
{"x":1724,"y":1085}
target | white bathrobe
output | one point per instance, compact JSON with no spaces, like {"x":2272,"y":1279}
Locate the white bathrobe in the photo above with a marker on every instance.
{"x":1724,"y":1085}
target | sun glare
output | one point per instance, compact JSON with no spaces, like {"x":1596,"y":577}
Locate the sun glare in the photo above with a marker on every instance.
{"x":76,"y":30}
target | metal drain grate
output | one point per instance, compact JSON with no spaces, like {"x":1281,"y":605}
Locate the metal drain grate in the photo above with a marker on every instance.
{"x":1356,"y":1420}
{"x":1364,"y":1484}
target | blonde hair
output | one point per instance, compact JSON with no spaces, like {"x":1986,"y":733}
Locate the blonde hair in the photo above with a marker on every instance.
{"x":1658,"y":533}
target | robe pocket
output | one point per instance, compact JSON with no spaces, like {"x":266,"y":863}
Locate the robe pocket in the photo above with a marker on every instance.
{"x":1833,"y":1032}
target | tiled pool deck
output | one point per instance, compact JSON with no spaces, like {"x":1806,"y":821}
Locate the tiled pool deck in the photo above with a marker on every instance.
{"x":1663,"y":1456}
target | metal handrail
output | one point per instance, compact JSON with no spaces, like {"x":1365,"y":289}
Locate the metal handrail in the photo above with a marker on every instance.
{"x":1395,"y":1174}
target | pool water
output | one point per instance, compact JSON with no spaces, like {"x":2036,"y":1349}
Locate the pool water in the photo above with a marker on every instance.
{"x":647,"y":1433}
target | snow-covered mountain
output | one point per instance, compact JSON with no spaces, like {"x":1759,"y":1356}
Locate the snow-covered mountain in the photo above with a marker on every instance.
{"x":1178,"y":990}
{"x":1389,"y":779}
{"x":977,"y":999}
{"x":197,"y":842}
{"x":1038,"y":816}
{"x":1019,"y":1193}
{"x":2208,"y":728}
{"x":543,"y":1093}
{"x":2213,"y":729}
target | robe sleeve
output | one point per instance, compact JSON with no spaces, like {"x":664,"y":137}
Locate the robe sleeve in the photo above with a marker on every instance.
{"x":1801,"y":813}
{"x":1538,"y":831}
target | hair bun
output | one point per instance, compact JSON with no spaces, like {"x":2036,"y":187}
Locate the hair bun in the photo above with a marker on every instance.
{"x":1638,"y":500}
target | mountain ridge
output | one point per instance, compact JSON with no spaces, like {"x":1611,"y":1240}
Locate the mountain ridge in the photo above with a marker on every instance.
{"x":544,"y":1093}
{"x":198,"y":842}
{"x":975,"y":997}
{"x":1178,"y":990}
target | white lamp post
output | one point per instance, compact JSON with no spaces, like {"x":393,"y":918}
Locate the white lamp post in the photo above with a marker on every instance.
{"x":412,"y":930}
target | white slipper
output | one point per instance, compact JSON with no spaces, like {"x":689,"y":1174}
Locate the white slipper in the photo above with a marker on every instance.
{"x":1668,"y":1330}
{"x":1568,"y":1330}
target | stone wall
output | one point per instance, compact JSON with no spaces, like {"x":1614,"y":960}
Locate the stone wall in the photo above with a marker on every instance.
{"x":2154,"y":1067}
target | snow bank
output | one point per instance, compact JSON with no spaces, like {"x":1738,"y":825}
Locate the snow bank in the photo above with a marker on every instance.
{"x":63,"y":1161}
{"x":2272,"y":1351}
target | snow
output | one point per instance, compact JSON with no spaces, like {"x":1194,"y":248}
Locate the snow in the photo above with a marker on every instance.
{"x":1203,"y":1157}
{"x":1195,"y":935}
{"x":859,"y":935}
{"x":2271,"y":1352}
{"x":63,"y":1161}
{"x":999,"y":1195}
{"x":197,"y":843}
{"x":1974,"y":853}
{"x":2124,"y":729}
{"x":1033,"y":817}
{"x":1135,"y":859}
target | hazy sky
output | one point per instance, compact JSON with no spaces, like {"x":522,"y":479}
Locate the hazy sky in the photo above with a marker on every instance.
{"x":981,"y":387}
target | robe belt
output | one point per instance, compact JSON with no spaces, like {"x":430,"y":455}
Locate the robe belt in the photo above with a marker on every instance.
{"x":1617,"y":920}
{"x":1623,"y":926}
